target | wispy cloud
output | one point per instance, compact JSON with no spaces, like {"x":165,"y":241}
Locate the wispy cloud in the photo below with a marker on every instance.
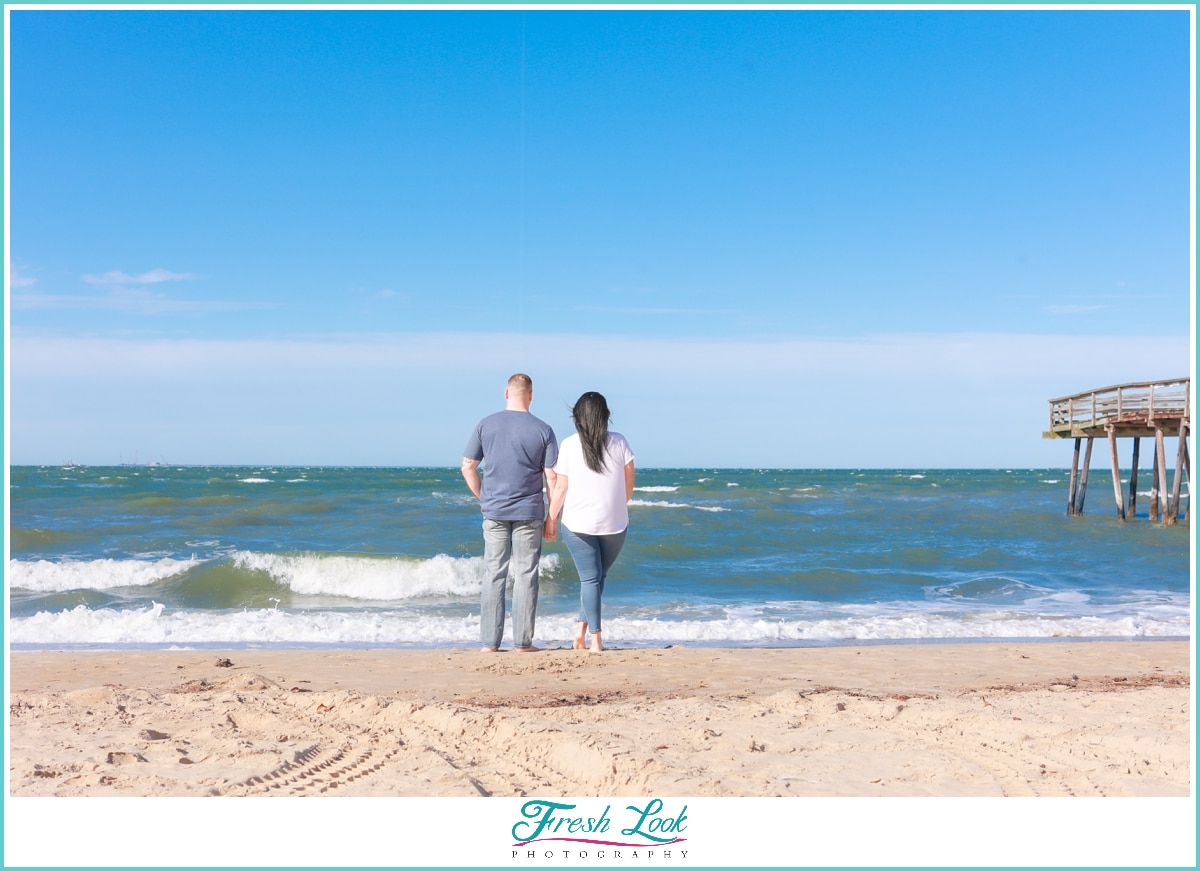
{"x":119,"y":291}
{"x":18,"y":278}
{"x":633,"y":310}
{"x":134,"y":301}
{"x":911,"y":358}
{"x":154,"y":276}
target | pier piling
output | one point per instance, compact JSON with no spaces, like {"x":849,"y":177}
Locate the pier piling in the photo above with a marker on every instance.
{"x":1133,"y":470}
{"x":1116,"y":471}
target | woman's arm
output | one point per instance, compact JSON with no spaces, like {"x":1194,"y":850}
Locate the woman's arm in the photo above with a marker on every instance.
{"x":629,"y":480}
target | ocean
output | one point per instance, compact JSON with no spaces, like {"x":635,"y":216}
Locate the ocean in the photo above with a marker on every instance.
{"x":193,"y":556}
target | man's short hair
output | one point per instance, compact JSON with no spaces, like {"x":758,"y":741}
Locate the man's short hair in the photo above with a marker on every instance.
{"x":520,"y":383}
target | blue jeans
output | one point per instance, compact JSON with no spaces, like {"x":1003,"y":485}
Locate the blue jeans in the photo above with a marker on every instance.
{"x":515,"y":545}
{"x":594,"y":556}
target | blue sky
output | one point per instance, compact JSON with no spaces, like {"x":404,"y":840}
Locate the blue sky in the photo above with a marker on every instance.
{"x":771,"y":238}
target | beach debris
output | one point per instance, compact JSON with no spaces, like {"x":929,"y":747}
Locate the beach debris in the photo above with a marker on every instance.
{"x":224,"y":663}
{"x":251,"y":681}
{"x":841,"y":706}
{"x":756,"y":747}
{"x":301,"y":690}
{"x":322,"y":708}
{"x":183,"y":760}
{"x":119,"y":757}
{"x":195,"y":686}
{"x":153,"y":735}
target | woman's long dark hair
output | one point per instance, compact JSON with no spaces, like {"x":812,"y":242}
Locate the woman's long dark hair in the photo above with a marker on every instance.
{"x":591,"y":422}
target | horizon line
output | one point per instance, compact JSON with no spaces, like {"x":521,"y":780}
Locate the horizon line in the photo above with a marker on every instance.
{"x":705,"y":468}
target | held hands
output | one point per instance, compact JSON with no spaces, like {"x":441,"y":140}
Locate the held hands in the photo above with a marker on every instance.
{"x":550,"y":529}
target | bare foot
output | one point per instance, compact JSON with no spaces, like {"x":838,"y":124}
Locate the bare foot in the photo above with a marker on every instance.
{"x":578,"y":643}
{"x":529,"y":649}
{"x":487,"y":650}
{"x":597,"y":643}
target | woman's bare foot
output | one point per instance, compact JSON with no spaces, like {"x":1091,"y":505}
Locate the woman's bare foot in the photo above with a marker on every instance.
{"x":580,"y":631}
{"x":597,"y":643}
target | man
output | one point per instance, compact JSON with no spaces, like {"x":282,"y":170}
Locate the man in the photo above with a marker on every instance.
{"x":517,"y":451}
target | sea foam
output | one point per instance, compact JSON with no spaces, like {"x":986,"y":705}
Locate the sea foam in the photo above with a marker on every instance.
{"x":655,"y":503}
{"x":374,"y":578}
{"x":43,"y":576}
{"x":157,"y":625}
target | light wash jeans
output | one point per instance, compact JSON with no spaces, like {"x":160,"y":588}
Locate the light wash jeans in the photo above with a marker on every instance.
{"x":515,"y":545}
{"x":593,"y":556}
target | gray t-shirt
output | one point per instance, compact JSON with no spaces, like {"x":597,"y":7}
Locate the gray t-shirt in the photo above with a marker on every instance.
{"x":515,"y":448}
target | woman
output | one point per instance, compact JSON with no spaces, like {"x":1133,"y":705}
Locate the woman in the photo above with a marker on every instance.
{"x":593,"y":487}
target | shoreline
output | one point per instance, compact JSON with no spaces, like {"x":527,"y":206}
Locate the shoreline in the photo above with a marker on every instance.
{"x":944,"y":719}
{"x":550,"y":646}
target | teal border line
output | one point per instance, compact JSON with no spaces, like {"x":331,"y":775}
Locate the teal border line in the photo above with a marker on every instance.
{"x":628,"y":5}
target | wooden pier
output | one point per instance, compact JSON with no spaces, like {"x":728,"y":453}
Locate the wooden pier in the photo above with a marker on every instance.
{"x":1150,"y":409}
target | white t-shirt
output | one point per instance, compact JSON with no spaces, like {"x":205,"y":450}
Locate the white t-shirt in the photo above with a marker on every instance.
{"x":595,"y":503}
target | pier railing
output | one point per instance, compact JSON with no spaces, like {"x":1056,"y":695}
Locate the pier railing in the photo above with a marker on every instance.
{"x":1132,"y":409}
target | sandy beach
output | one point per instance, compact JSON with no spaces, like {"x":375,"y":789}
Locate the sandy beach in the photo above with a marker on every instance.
{"x":999,"y":719}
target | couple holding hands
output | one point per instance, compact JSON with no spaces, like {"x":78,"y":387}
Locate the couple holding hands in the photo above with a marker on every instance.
{"x":589,"y":478}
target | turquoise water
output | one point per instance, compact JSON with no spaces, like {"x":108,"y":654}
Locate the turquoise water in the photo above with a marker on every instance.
{"x":272,"y":556}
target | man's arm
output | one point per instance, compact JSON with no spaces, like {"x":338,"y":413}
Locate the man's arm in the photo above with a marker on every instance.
{"x":557,"y":488}
{"x":470,"y":473}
